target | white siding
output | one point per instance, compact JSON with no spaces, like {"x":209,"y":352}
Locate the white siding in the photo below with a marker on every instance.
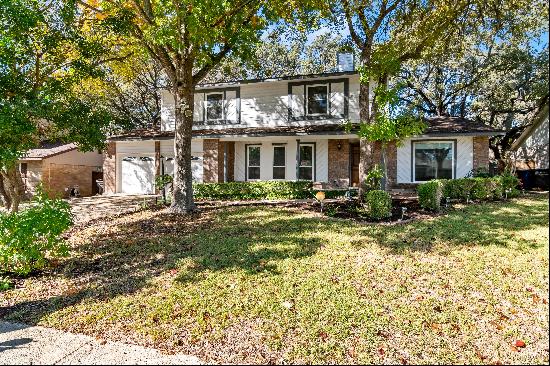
{"x":337,"y":99}
{"x":464,"y":161}
{"x":266,"y":158}
{"x":167,"y":111}
{"x":265,"y":104}
{"x":135,"y":147}
{"x":167,"y":147}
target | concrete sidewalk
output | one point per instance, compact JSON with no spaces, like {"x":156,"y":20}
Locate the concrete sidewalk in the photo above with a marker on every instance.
{"x":23,"y":344}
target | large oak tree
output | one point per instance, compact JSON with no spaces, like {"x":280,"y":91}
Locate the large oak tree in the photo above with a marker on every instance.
{"x":189,"y":38}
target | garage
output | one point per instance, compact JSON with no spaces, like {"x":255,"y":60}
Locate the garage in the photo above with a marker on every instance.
{"x":196,"y":167}
{"x":138,"y":174}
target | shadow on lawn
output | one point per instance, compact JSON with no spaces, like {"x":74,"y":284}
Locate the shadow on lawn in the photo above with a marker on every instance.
{"x":123,"y":260}
{"x":494,"y":223}
{"x":123,"y":255}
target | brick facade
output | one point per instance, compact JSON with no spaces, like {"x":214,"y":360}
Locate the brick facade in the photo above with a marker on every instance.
{"x":338,"y":163}
{"x":214,"y":160}
{"x":481,"y":152}
{"x":210,"y":168}
{"x":391,"y":162}
{"x":59,"y":178}
{"x":109,"y":168}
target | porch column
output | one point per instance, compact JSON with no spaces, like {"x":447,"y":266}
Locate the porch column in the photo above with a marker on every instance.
{"x":339,"y":167}
{"x":481,"y":152}
{"x":109,"y":168}
{"x":157,"y":163}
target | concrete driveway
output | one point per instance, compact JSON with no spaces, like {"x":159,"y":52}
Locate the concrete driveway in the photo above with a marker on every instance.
{"x":27,"y":345}
{"x":100,"y":206}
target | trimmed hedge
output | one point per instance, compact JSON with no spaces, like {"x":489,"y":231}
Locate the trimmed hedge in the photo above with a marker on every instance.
{"x":479,"y":189}
{"x":430,"y":194}
{"x":264,"y":190}
{"x":378,"y":204}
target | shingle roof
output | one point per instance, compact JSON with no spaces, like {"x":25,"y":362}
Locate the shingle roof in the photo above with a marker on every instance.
{"x":436,"y":126}
{"x":457,"y":125}
{"x":47,"y":149}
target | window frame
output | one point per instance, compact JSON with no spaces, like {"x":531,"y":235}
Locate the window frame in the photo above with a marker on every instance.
{"x":247,"y":162}
{"x":222,"y":106}
{"x":327,"y":112}
{"x":303,"y":115}
{"x":23,"y":172}
{"x":454,"y":156}
{"x":283,"y":146}
{"x":313,"y":161}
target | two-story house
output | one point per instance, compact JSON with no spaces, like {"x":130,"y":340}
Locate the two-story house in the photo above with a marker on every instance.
{"x":287,"y":128}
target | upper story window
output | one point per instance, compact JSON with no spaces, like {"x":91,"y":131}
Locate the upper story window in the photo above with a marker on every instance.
{"x":433,"y":160}
{"x":214,"y":106}
{"x":317,"y":100}
{"x":217,"y":106}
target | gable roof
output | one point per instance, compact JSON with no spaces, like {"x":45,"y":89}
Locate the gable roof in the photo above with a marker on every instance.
{"x":48,"y":149}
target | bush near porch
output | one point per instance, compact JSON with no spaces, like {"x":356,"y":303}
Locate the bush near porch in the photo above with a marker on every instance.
{"x":431,"y":193}
{"x":264,"y":190}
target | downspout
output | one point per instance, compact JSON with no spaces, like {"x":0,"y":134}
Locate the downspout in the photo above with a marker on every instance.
{"x":225,"y":161}
{"x":297,"y":159}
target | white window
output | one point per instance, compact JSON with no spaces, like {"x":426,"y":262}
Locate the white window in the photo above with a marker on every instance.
{"x":214,"y":106}
{"x":253,"y":162}
{"x":433,"y":160}
{"x":279,"y":162}
{"x":317,"y":100}
{"x":307,"y":162}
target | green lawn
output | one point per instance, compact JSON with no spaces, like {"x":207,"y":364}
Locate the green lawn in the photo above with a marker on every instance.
{"x":260,"y":284}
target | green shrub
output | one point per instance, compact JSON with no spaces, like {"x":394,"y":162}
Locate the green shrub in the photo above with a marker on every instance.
{"x":5,"y":283}
{"x":458,"y":189}
{"x":378,"y":204}
{"x":480,"y":189}
{"x":430,"y":194}
{"x":509,"y":182}
{"x":373,"y":179}
{"x":269,"y":190}
{"x":28,"y":237}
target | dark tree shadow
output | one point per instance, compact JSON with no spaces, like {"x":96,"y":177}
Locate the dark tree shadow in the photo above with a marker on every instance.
{"x":122,"y":255}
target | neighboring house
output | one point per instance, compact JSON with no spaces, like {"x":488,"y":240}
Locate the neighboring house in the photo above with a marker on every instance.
{"x":286,"y":129}
{"x":531,"y":152}
{"x":60,"y":167}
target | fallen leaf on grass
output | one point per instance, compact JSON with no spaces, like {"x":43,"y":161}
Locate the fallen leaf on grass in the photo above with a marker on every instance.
{"x":519,"y":343}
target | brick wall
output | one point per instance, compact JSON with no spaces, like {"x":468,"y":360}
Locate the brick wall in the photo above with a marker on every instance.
{"x":210,"y":163}
{"x":391,"y":161}
{"x":230,"y":161}
{"x":481,"y":152}
{"x":109,"y":168}
{"x":338,"y":163}
{"x":58,"y":177}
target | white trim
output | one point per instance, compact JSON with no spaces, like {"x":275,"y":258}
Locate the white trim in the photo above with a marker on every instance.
{"x":312,"y":166}
{"x":453,"y":162}
{"x":259,"y":146}
{"x":307,"y":100}
{"x":273,"y":166}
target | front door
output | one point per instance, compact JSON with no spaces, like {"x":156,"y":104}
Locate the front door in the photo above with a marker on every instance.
{"x":355,"y":164}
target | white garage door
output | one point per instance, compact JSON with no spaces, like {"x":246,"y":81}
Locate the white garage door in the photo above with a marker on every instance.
{"x":138,"y":174}
{"x":196,"y":167}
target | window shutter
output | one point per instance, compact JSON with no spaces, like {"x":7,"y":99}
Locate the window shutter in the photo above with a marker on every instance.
{"x":297,"y":100}
{"x":231,"y":106}
{"x":337,"y":100}
{"x":198,"y":109}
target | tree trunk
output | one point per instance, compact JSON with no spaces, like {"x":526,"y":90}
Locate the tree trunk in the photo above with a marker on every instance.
{"x":4,"y":197}
{"x":366,"y":148}
{"x":13,"y":185}
{"x":182,"y":195}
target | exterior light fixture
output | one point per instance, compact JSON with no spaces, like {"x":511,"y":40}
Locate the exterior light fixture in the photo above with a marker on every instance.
{"x":339,"y":145}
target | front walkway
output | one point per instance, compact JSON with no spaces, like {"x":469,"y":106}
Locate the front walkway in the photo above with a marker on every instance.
{"x":26,"y":345}
{"x":96,"y":207}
